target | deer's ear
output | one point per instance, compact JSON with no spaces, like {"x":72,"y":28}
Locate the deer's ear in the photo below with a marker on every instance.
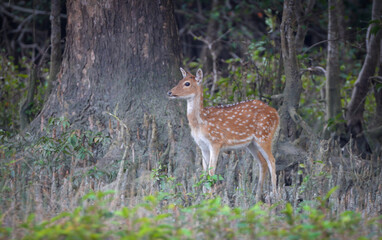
{"x":199,"y":76}
{"x":183,"y":72}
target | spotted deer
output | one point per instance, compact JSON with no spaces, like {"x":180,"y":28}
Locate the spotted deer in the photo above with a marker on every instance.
{"x":250,"y":124}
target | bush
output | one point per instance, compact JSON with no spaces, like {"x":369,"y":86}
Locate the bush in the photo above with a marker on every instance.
{"x":208,"y":220}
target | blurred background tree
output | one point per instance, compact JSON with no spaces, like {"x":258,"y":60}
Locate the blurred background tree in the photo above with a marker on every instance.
{"x":244,"y":47}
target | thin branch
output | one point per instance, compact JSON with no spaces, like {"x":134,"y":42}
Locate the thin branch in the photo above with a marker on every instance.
{"x":187,"y":13}
{"x":213,"y":55}
{"x":221,"y":36}
{"x":23,"y":22}
{"x":313,"y":69}
{"x":377,"y":78}
{"x":28,"y":10}
{"x":205,"y":41}
{"x":374,"y":132}
{"x":318,"y":43}
{"x":299,"y":121}
{"x":277,"y":97}
{"x":9,"y":14}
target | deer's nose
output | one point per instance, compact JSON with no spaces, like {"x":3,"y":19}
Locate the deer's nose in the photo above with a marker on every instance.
{"x":169,"y":93}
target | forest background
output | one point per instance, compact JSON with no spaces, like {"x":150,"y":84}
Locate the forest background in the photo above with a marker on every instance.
{"x":90,"y":147}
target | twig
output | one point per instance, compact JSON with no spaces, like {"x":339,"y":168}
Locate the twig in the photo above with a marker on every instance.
{"x":378,"y":78}
{"x":187,"y":13}
{"x":313,"y":69}
{"x":11,"y":15}
{"x":374,"y":132}
{"x":299,"y":121}
{"x":213,"y":55}
{"x":23,"y":22}
{"x":277,"y":97}
{"x":318,"y":43}
{"x":28,"y":10}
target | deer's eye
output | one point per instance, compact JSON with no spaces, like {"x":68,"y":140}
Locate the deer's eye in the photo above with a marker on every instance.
{"x":187,"y":84}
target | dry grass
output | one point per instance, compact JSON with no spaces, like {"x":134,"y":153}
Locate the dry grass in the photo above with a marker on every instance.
{"x":34,"y":182}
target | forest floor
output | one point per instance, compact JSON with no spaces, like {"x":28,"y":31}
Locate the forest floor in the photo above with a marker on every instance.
{"x":56,"y":188}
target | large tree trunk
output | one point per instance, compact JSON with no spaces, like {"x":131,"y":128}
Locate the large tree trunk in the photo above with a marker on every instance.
{"x":293,"y":85}
{"x":375,"y":128}
{"x":356,"y":105}
{"x":333,"y":91}
{"x":378,"y":91}
{"x":121,"y":58}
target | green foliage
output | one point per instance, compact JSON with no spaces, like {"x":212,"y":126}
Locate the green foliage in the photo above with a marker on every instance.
{"x":207,"y":181}
{"x":152,"y":219}
{"x":5,"y":232}
{"x":60,"y":151}
{"x":312,"y":220}
{"x":250,"y":77}
{"x":333,"y":122}
{"x":88,"y":221}
{"x":12,"y":86}
{"x":158,"y":175}
{"x":14,"y":79}
{"x":166,"y":184}
{"x":57,"y":149}
{"x":256,"y":71}
{"x":377,"y":26}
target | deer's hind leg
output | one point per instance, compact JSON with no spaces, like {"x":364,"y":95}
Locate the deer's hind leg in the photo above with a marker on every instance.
{"x":252,"y":148}
{"x":266,"y":152}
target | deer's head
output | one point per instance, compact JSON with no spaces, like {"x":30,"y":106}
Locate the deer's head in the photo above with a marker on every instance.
{"x":188,"y":87}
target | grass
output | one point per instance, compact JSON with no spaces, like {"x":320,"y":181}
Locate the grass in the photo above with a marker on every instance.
{"x":210,"y":219}
{"x":54,"y":188}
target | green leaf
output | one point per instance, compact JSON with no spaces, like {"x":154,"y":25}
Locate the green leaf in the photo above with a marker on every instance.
{"x":89,"y":196}
{"x":162,"y":216}
{"x":193,"y":64}
{"x":331,"y":191}
{"x":186,"y":232}
{"x":288,"y":211}
{"x":378,"y":86}
{"x":22,"y":75}
{"x":73,"y":140}
{"x":375,"y":29}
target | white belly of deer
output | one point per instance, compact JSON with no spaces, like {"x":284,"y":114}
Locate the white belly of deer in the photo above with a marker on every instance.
{"x":233,"y":144}
{"x":237,"y":145}
{"x":204,"y":142}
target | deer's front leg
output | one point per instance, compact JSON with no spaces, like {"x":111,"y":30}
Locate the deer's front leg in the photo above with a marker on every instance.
{"x":206,"y":158}
{"x":214,"y":155}
{"x":205,"y":155}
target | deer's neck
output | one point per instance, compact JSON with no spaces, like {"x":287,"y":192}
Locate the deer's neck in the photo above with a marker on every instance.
{"x":194,"y":109}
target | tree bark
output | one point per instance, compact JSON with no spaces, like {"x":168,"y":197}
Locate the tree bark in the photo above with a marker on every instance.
{"x":375,"y":128}
{"x":293,"y":85}
{"x":120,"y":60}
{"x":55,"y":42}
{"x":333,"y":91}
{"x":378,"y":91}
{"x":356,"y":106}
{"x":28,"y":103}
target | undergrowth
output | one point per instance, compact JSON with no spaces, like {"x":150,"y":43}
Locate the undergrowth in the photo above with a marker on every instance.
{"x":53,"y":189}
{"x":155,"y":218}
